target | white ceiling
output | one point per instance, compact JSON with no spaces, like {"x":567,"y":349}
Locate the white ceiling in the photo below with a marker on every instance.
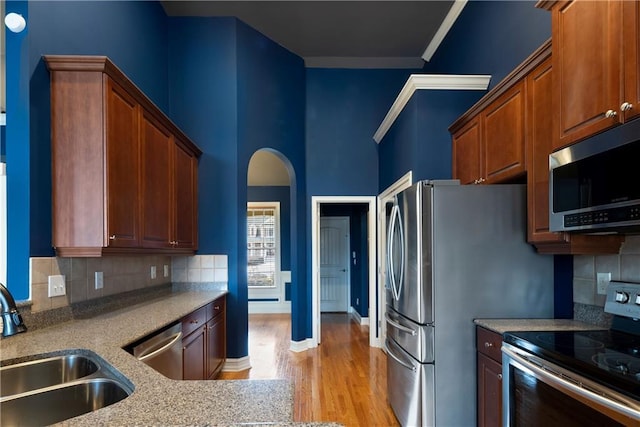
{"x":340,"y":34}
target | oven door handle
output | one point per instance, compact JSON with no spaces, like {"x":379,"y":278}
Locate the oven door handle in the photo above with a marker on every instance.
{"x":622,"y":406}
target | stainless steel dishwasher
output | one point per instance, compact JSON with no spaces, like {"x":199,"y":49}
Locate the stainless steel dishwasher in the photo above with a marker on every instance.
{"x":163,"y":351}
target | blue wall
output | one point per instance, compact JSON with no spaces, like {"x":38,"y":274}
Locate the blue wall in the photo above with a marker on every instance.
{"x":137,"y":45}
{"x":489,"y":37}
{"x":344,"y":110}
{"x":235,"y":92}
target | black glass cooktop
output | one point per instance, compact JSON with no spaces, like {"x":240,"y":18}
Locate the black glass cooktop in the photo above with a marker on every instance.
{"x":608,"y":357}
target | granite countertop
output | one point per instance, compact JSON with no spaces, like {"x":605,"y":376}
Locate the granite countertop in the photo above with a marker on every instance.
{"x":507,"y":325}
{"x":157,"y":400}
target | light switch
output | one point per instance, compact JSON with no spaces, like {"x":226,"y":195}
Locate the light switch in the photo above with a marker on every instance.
{"x":57,"y":286}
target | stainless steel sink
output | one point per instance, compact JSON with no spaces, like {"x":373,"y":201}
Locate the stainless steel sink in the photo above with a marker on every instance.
{"x":59,"y":403}
{"x":27,"y":376}
{"x":54,"y":388}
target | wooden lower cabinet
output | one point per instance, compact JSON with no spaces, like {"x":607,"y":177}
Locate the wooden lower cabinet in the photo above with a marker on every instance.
{"x":194,"y":356}
{"x":489,"y":373}
{"x":204,"y":347}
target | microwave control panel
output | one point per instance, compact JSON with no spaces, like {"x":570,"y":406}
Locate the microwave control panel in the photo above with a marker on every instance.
{"x":614,"y":216}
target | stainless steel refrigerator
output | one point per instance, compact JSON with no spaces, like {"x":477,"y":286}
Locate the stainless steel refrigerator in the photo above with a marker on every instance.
{"x":454,"y":253}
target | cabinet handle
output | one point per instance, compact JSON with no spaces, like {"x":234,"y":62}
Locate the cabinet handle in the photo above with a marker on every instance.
{"x":610,"y":114}
{"x":488,"y":344}
{"x":626,"y":106}
{"x":216,"y":307}
{"x":112,"y":237}
{"x":194,"y":322}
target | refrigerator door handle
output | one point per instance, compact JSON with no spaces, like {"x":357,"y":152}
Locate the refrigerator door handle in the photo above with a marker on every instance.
{"x":396,"y":286}
{"x":399,"y":326}
{"x":397,"y":359}
{"x":390,"y":233}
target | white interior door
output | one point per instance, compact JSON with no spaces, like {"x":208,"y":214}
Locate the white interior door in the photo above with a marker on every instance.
{"x":334,"y":264}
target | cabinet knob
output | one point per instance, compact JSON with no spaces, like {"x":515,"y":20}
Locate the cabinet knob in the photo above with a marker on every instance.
{"x":488,"y":344}
{"x":500,"y":376}
{"x":626,"y":106}
{"x":216,"y":307}
{"x":112,"y":237}
{"x":610,"y":114}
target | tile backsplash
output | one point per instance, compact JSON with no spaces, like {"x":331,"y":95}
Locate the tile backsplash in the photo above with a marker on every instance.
{"x":120,"y":274}
{"x":623,"y":266}
{"x":200,"y":269}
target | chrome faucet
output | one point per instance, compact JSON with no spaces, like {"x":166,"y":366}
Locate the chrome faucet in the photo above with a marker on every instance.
{"x":11,"y":320}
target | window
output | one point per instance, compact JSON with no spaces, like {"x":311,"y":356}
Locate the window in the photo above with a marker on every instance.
{"x":263,"y":252}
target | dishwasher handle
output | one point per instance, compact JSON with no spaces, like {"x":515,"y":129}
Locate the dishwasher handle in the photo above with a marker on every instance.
{"x":154,"y":351}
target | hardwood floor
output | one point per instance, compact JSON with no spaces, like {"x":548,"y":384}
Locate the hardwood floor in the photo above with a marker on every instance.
{"x":342,"y":380}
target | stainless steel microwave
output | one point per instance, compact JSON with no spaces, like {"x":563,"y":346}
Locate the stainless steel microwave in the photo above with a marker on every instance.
{"x":594,"y":185}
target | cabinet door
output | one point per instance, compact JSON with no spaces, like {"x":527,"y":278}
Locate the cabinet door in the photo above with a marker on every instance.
{"x":157,"y":186}
{"x":186,"y":193}
{"x":587,"y":40}
{"x":539,"y":136}
{"x":631,"y":43}
{"x":489,"y":392}
{"x":122,"y":159}
{"x":467,"y":153}
{"x":193,"y":355}
{"x":503,"y":136}
{"x":216,"y":345}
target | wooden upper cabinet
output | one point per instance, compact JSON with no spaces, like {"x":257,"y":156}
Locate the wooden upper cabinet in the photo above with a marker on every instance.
{"x":595,"y":64}
{"x":503,"y":135}
{"x":123,"y":153}
{"x":114,"y":165}
{"x":157,"y":198}
{"x":539,"y":137}
{"x":488,"y":141}
{"x":185,"y":187}
{"x":631,"y":44}
{"x":467,"y":151}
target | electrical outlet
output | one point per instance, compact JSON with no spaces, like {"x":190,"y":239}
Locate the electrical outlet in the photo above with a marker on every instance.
{"x":603,"y":280}
{"x":153,"y":271}
{"x":57,"y":286}
{"x":166,"y":270}
{"x":99,"y":280}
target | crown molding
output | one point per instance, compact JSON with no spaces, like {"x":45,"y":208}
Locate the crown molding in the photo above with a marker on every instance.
{"x":446,"y":25}
{"x":429,"y":81}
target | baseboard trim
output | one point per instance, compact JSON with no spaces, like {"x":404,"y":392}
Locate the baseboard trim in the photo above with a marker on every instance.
{"x":267,"y":307}
{"x":357,"y":318}
{"x":300,"y":346}
{"x":236,"y":365}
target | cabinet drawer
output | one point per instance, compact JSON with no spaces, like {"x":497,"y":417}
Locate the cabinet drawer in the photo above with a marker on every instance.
{"x":194,"y":320}
{"x":489,"y":343}
{"x":216,"y":308}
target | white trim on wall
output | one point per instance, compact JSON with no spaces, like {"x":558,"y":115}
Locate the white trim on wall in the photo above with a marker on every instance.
{"x":316,"y":201}
{"x":236,"y":365}
{"x":429,"y":81}
{"x":446,"y":25}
